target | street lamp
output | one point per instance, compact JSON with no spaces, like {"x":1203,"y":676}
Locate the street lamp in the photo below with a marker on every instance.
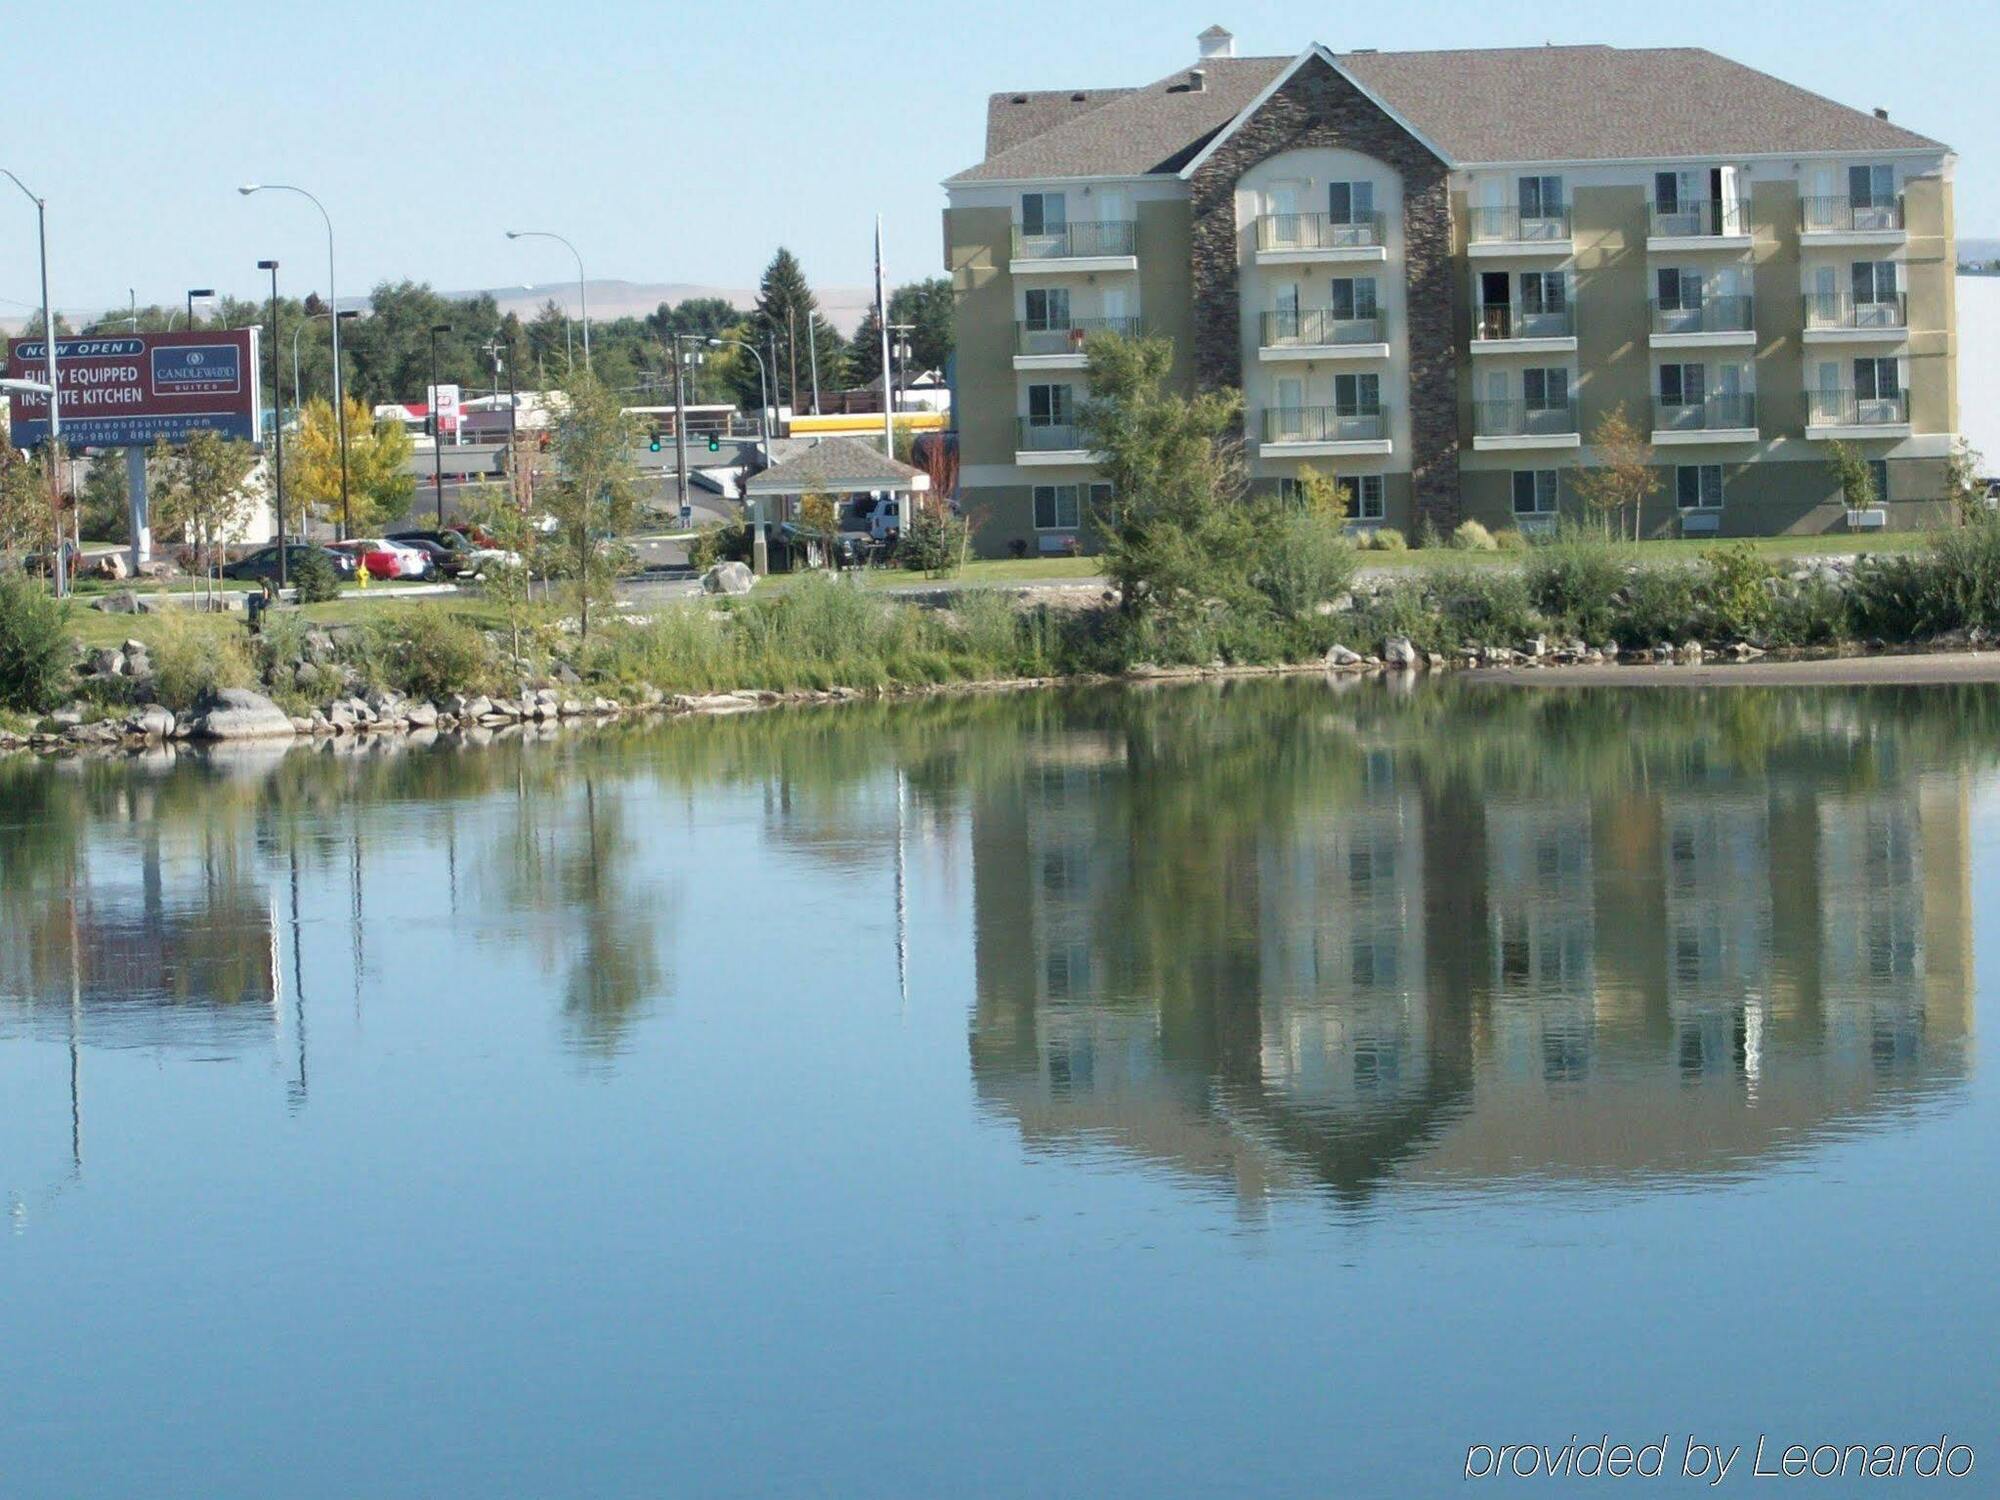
{"x":437,"y":427}
{"x":61,"y":574}
{"x":203,"y":292}
{"x":333,"y":300}
{"x":297,"y":399}
{"x":582,"y":302}
{"x":758,"y":546}
{"x":277,"y":424}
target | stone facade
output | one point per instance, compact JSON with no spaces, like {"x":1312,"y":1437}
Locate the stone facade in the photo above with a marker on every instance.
{"x":1316,"y":108}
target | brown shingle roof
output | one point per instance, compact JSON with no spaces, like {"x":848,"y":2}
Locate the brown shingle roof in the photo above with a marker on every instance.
{"x":834,"y":465}
{"x":1013,"y":118}
{"x":1508,"y":104}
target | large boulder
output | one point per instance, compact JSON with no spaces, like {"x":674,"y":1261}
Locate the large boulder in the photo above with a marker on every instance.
{"x":728,"y":578}
{"x":1399,"y":653}
{"x":153,"y":721}
{"x":124,"y":602}
{"x":112,"y":564}
{"x":239,"y":714}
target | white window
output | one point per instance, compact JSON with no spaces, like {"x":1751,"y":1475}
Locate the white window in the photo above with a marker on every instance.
{"x":1541,"y":197}
{"x":1698,"y":486}
{"x":1871,"y":186}
{"x":1048,"y":309}
{"x":1057,"y":507}
{"x":1357,"y":395}
{"x":1363,"y":494}
{"x":1683,"y":385}
{"x":1350,"y":202}
{"x":1679,"y":290}
{"x":1873,"y":281}
{"x":1352,"y":297}
{"x":1049,"y":406}
{"x":1878,"y":475}
{"x":1044,"y":213}
{"x":1877,"y":378}
{"x":1545,"y":390}
{"x":1535,"y":492}
{"x":1543,"y":292}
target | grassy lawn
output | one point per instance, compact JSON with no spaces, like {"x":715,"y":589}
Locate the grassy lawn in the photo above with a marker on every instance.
{"x":97,"y":628}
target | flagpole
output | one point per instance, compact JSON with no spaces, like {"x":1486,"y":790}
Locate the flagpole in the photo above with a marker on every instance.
{"x":882,"y":320}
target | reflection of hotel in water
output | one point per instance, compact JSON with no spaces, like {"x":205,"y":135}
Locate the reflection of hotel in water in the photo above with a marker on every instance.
{"x":1683,"y":978}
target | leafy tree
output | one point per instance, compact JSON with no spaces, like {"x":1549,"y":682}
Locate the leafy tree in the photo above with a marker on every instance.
{"x":511,"y":589}
{"x":35,"y":645}
{"x":595,"y":495}
{"x":24,"y":502}
{"x":705,"y":316}
{"x":1852,"y":474}
{"x":927,"y":307}
{"x":204,"y":493}
{"x":1174,"y":529}
{"x":1623,"y":476}
{"x":106,"y":515}
{"x":1964,"y":482}
{"x":379,"y":483}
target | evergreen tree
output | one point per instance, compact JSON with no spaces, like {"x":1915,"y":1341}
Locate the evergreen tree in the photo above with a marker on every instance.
{"x":788,"y":316}
{"x":927,"y":307}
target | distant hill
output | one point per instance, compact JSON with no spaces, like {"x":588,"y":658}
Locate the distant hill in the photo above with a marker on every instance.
{"x":1984,"y":251}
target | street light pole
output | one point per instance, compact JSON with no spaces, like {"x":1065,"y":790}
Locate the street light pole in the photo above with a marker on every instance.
{"x":277,"y":426}
{"x":332,"y":300}
{"x":759,"y":547}
{"x":298,"y":399}
{"x":61,"y":573}
{"x":582,"y":299}
{"x":437,"y":427}
{"x":204,"y":292}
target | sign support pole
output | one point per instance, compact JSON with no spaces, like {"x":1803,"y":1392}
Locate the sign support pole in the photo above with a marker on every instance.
{"x":140,"y":506}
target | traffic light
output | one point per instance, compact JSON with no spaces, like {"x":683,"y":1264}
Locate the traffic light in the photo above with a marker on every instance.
{"x":714,"y":443}
{"x":655,"y":443}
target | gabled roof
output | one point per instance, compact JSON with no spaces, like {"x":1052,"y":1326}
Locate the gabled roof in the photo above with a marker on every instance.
{"x":1500,"y":105}
{"x":835,"y":466}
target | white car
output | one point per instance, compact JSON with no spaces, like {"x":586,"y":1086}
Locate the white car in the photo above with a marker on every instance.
{"x":411,"y":562}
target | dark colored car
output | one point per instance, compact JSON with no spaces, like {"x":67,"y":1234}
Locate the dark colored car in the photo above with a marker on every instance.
{"x":263,"y":563}
{"x":449,"y":551}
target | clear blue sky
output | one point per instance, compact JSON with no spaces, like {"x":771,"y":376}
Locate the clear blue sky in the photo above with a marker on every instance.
{"x":680,"y":142}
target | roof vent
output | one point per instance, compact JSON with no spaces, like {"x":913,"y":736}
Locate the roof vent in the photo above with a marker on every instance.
{"x":1197,"y":80}
{"x":1018,"y":99}
{"x":1076,"y":98}
{"x":1881,"y":113}
{"x":1215,"y":42}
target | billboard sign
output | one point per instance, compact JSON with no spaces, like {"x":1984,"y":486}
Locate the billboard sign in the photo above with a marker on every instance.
{"x":443,"y":399}
{"x":129,"y":390}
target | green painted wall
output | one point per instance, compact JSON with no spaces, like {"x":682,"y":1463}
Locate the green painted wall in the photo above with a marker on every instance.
{"x":1613,"y":312}
{"x":1166,"y":297}
{"x":977,"y":244}
{"x":1780,"y":310}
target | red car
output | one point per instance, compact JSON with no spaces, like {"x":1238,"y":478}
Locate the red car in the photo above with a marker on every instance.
{"x":382,"y":560}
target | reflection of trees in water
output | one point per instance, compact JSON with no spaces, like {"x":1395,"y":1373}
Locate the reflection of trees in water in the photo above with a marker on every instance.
{"x":1474,"y":933}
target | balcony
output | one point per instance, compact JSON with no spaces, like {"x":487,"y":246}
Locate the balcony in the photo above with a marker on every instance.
{"x":1714,"y":224}
{"x":1497,"y":328}
{"x":1848,"y":414}
{"x":1836,"y":318}
{"x":1320,"y":333}
{"x":1500,"y":426}
{"x":1508,"y":231}
{"x":1717,"y":419}
{"x":1323,"y":431}
{"x":1042,"y":442}
{"x":1107,"y":245}
{"x":1041,"y":348}
{"x":1842,"y":221}
{"x":1716,"y":322}
{"x":1296,"y":239}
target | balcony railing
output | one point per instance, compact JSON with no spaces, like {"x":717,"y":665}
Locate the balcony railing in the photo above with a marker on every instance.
{"x":1840,"y":310}
{"x":1718,"y":413}
{"x":1508,"y":225}
{"x":1713,"y":217}
{"x":1029,"y":339}
{"x":1499,"y":320}
{"x":1316,"y":325}
{"x":1851,"y":409}
{"x":1324,"y":424}
{"x":1845,"y":216}
{"x":1317,"y":232}
{"x":1038,"y":436}
{"x":1519,"y":419}
{"x":1078,"y":241}
{"x":1731,"y":314}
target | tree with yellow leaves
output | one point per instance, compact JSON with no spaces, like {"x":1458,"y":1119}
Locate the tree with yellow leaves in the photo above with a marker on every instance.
{"x":380,"y":485}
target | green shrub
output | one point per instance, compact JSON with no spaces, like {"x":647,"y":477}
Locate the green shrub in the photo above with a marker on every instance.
{"x":1576,"y":584}
{"x":1470,"y":536}
{"x":316,"y":578}
{"x":934,"y":543}
{"x":727,"y":542}
{"x":1662,"y":604}
{"x":431,"y":653}
{"x":1300,"y":559}
{"x":1484,"y":606}
{"x":194,"y":657}
{"x":35,"y":645}
{"x":1513,"y":539}
{"x":1386,"y":539}
{"x":1736,"y":587}
{"x":1816,"y":612}
{"x":1950,"y":585}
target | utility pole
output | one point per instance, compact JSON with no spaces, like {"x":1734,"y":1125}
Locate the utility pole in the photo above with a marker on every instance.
{"x":792,"y":353}
{"x":680,"y":429}
{"x":812,"y":352}
{"x":437,"y":425}
{"x":278,"y":427}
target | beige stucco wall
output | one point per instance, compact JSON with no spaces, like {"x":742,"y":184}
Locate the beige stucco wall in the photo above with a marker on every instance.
{"x":1930,"y":279}
{"x":1166,"y":304}
{"x":1613,"y":320}
{"x":1779,"y":310}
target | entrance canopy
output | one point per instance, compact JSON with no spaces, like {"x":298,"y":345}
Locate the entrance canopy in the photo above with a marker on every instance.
{"x":835,"y":466}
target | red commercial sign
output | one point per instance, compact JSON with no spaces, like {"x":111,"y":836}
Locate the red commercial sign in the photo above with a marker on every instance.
{"x":128,"y":390}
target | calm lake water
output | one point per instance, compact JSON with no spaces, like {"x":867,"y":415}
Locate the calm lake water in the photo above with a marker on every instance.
{"x":1257,"y":1090}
